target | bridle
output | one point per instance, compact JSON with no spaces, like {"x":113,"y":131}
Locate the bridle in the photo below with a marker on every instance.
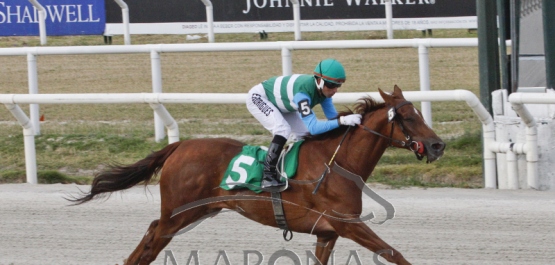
{"x":416,"y":147}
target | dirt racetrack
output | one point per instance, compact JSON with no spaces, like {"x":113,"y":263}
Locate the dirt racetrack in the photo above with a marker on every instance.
{"x":431,"y":226}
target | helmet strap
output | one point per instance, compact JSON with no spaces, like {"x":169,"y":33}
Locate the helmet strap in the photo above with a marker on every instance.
{"x":319,"y":84}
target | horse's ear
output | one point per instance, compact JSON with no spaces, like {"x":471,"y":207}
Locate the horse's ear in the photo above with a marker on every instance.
{"x":398,"y":92}
{"x":386,"y":96}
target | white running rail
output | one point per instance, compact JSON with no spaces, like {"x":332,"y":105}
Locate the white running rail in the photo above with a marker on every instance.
{"x":155,"y":100}
{"x":285,"y":47}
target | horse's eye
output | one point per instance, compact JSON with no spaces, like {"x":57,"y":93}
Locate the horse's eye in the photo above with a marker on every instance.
{"x":409,"y":119}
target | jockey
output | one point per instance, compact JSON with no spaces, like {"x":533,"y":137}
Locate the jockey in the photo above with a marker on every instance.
{"x":283,"y":105}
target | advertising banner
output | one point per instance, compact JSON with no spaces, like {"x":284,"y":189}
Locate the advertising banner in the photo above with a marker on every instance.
{"x":63,"y":17}
{"x":177,"y":16}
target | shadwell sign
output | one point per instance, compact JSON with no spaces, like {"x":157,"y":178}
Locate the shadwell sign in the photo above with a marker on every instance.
{"x":63,"y":17}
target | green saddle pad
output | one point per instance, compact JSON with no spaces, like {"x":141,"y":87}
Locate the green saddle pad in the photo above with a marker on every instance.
{"x":245,"y":169}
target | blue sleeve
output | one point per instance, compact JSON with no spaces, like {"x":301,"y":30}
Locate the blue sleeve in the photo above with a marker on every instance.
{"x":314,"y":125}
{"x":329,"y":108}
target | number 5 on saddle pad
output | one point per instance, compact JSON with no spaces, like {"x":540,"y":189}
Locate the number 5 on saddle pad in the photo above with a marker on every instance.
{"x":245,"y":169}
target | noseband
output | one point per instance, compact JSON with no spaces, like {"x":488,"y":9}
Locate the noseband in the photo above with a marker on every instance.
{"x":416,"y":147}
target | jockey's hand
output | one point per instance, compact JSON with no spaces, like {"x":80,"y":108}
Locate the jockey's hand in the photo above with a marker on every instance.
{"x":350,"y":120}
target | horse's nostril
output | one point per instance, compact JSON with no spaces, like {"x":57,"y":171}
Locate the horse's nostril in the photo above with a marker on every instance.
{"x":438,"y":146}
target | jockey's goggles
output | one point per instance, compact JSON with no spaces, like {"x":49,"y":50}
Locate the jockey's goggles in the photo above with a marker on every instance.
{"x":331,"y":85}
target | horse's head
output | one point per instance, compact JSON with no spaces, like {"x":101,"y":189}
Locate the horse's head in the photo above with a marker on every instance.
{"x":409,"y":130}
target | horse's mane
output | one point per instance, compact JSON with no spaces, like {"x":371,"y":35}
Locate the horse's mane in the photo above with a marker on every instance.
{"x":362,"y":106}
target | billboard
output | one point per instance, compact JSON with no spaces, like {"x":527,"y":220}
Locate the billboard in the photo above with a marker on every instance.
{"x":177,"y":16}
{"x":63,"y":17}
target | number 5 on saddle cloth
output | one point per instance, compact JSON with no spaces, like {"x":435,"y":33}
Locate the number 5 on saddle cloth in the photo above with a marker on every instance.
{"x":245,"y":169}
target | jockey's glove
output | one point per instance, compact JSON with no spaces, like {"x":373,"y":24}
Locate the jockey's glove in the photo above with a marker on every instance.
{"x":350,"y":120}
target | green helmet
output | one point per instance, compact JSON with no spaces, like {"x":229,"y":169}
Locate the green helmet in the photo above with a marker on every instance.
{"x":330,"y":70}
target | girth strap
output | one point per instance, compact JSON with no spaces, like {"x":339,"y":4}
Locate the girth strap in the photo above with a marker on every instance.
{"x":279,"y":214}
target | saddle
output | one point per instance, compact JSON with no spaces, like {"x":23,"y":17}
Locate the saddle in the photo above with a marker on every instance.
{"x":246,"y":171}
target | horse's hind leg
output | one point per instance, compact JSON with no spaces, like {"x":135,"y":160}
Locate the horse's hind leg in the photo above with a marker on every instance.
{"x":146,"y":238}
{"x":155,"y":239}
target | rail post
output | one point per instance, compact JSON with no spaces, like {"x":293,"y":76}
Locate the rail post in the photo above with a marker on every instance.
{"x":286,"y":62}
{"x":159,"y":133}
{"x":424,"y":69}
{"x":32,"y":77}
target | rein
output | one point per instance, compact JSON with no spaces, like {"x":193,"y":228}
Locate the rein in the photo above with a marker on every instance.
{"x":331,"y":160}
{"x":402,"y":143}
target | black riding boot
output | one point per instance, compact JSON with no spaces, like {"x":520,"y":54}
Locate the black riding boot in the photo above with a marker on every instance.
{"x":271,"y":182}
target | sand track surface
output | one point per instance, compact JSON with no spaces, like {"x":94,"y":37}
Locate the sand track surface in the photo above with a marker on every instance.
{"x":431,"y":226}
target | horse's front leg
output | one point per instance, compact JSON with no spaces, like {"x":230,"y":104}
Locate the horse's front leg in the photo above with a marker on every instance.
{"x":363,"y":235}
{"x":324,"y":247}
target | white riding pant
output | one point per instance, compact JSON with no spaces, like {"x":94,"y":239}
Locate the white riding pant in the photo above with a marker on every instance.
{"x":278,"y":123}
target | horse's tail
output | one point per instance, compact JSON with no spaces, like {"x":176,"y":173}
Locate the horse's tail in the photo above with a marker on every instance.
{"x":118,"y":177}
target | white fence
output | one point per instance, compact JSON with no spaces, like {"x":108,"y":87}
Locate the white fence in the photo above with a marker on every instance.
{"x":164,"y":119}
{"x":155,"y":100}
{"x":535,"y":178}
{"x":285,"y":47}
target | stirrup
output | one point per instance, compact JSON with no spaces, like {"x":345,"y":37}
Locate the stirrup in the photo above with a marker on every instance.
{"x":277,"y":188}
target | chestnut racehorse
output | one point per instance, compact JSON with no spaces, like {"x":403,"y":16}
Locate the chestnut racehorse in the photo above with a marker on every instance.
{"x":193,"y":169}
